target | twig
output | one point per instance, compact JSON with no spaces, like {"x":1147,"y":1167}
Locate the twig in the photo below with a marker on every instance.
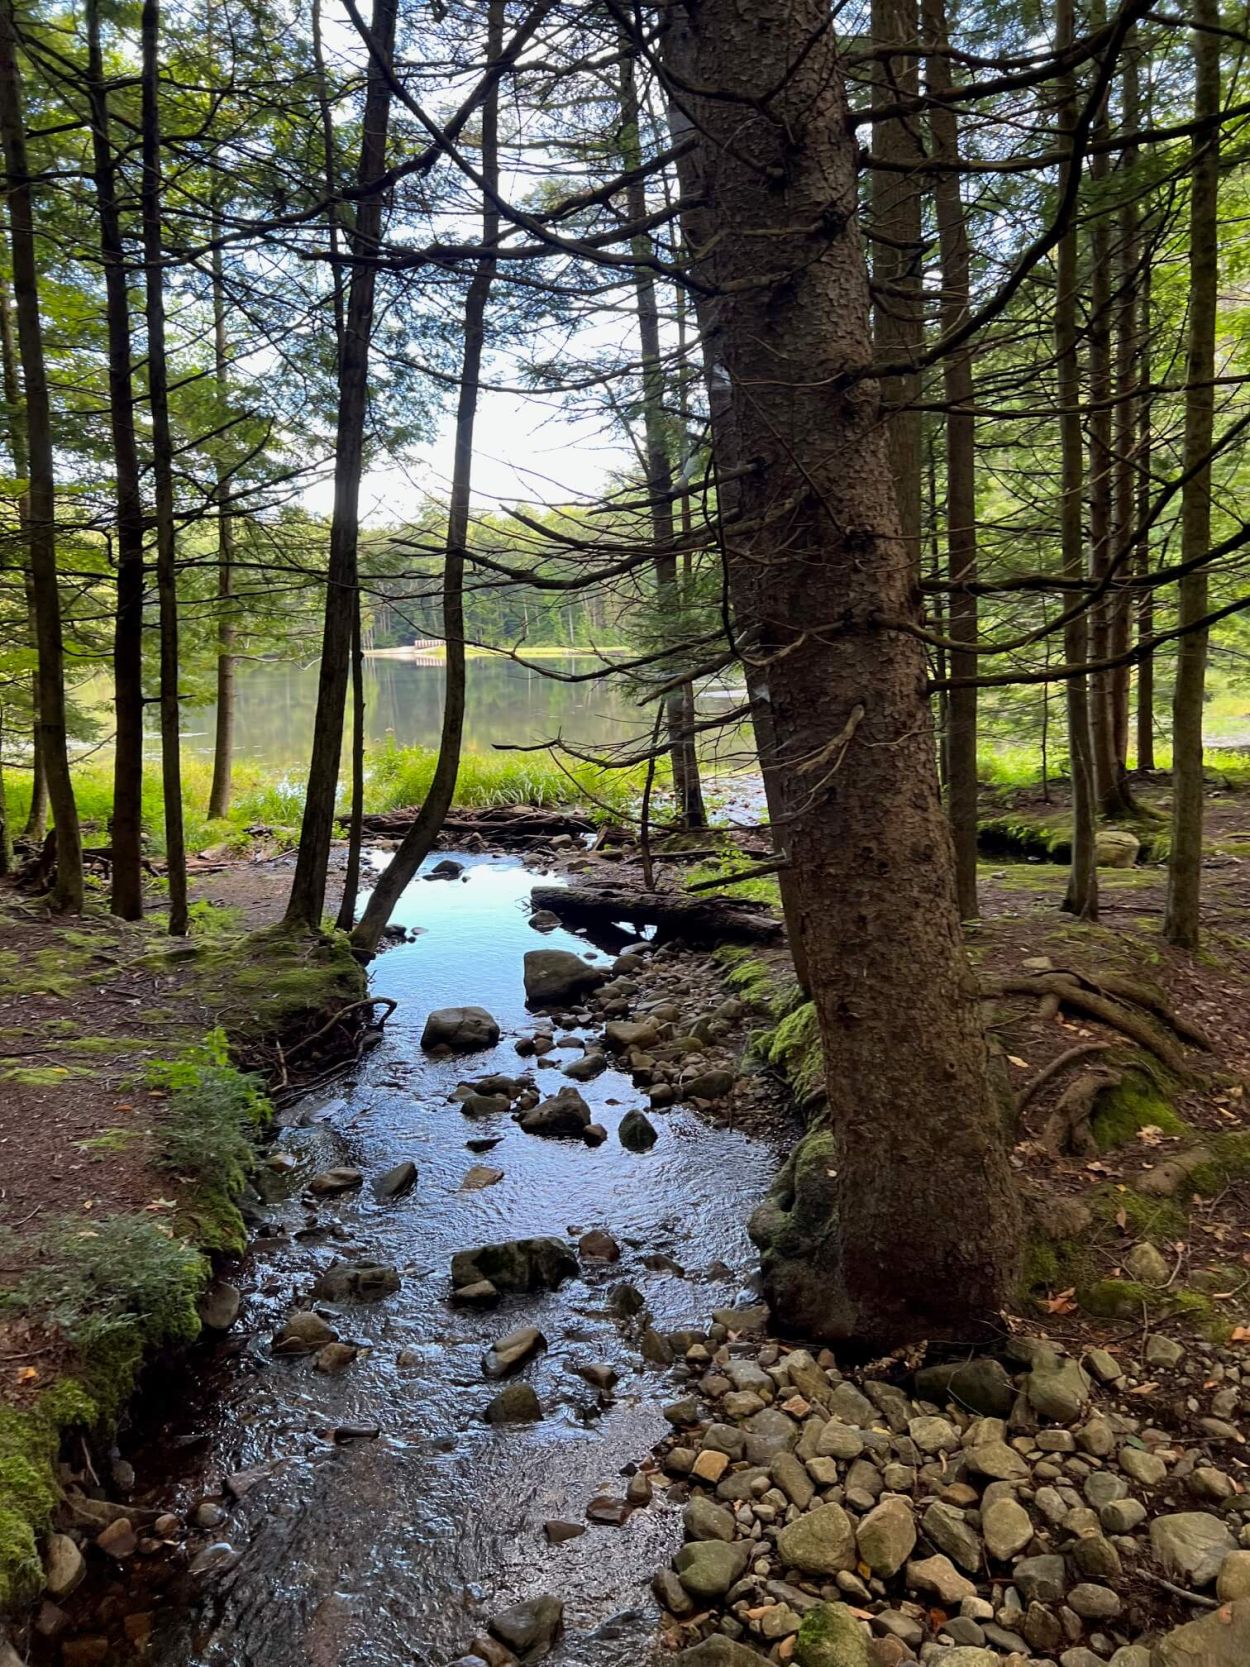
{"x":352,"y":1007}
{"x":1181,"y":1592}
{"x":776,"y":866}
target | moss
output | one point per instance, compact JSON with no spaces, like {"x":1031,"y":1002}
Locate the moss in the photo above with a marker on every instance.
{"x":1144,"y":1218}
{"x":1126,"y":1299}
{"x":29,"y":1444}
{"x":747,"y":975}
{"x":793,"y":1049}
{"x":1230,"y":1161}
{"x":1018,"y":837}
{"x":1138,"y":1101}
{"x":278,"y":981}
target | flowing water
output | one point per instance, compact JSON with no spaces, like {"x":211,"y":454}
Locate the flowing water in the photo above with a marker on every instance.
{"x":394,"y":1549}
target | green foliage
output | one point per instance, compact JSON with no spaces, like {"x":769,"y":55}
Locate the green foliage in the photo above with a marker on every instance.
{"x":401,"y":776}
{"x":1024,"y":837}
{"x":29,"y":1444}
{"x":765,"y":888}
{"x":278,"y":981}
{"x":793,"y":1049}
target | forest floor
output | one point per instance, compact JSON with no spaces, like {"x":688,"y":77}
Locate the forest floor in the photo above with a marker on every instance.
{"x":91,"y":1007}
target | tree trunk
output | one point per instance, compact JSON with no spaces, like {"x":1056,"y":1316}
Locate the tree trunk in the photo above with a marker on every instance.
{"x":126,"y":830}
{"x":37,"y":814}
{"x":1145,"y":620}
{"x":308,"y":886}
{"x":223,"y":738}
{"x":1128,"y":396}
{"x":162,"y":471}
{"x":818,"y":565}
{"x":419,"y":840}
{"x":659,"y":467}
{"x":40,"y":515}
{"x":346,"y":916}
{"x":897,"y":250}
{"x":961,"y":501}
{"x":1181,"y":914}
{"x":1082,"y":894}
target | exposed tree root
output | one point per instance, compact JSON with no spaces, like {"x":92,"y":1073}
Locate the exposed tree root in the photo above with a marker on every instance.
{"x":1077,"y":995}
{"x":1068,"y":1128}
{"x":1049,"y":1072}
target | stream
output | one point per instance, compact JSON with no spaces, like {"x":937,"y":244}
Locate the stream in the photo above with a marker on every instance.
{"x":396,"y":1548}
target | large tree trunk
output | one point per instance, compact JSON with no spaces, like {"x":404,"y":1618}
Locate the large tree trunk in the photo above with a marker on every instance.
{"x":223,"y":738}
{"x":162,"y":472}
{"x":961,"y":480}
{"x":817,"y":562}
{"x":1082,"y":893}
{"x":1128,"y":396}
{"x":1145,"y":613}
{"x":308,"y":886}
{"x":37,"y":812}
{"x":40,"y":508}
{"x":126,"y":831}
{"x":419,"y":840}
{"x":1181,"y":915}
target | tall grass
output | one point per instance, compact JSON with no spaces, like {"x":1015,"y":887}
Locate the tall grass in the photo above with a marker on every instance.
{"x":395,"y":777}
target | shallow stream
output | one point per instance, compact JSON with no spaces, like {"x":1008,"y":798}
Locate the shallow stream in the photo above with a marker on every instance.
{"x":395,"y":1549}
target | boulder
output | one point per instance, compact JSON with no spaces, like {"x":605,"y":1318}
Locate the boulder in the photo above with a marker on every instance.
{"x":554,"y":977}
{"x":1220,"y":1639}
{"x":1190,"y":1546}
{"x":830,"y":1636}
{"x":819,"y":1542}
{"x":637,"y":1132}
{"x":517,"y":1404}
{"x":397,"y":1181}
{"x":460,"y":1030}
{"x":515,"y":1265}
{"x":708,"y":1568}
{"x":564,"y":1114}
{"x":530,"y":1629}
{"x":1116,"y":848}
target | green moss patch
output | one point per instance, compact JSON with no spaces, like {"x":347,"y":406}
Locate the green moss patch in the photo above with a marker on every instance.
{"x":1020,"y":837}
{"x":278,"y":982}
{"x":1138,"y":1101}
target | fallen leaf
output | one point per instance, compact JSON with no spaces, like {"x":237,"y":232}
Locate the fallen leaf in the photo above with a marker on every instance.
{"x":1016,"y":1060}
{"x":1062,"y":1303}
{"x":28,"y":1374}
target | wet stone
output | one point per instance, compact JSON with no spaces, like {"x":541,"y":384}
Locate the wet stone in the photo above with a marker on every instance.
{"x":530,"y":1629}
{"x":397,"y":1181}
{"x":517,"y":1404}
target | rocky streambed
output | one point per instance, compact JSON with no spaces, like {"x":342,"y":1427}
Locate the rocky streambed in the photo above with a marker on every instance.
{"x":436,"y":1389}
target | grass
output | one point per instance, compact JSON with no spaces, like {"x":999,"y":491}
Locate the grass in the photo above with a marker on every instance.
{"x":1017,"y":767}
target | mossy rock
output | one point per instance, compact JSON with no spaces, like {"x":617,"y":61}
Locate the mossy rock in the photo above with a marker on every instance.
{"x":29,"y":1444}
{"x":1140,"y":1100}
{"x":1127,"y":1299}
{"x":794,"y":1229}
{"x":1020,"y":838}
{"x":792,"y":1048}
{"x":1230,"y":1161}
{"x":830,"y":1636}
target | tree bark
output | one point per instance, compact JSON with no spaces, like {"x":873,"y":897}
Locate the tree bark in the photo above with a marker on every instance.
{"x":308,"y":886}
{"x":961,"y":502}
{"x":162,"y":471}
{"x":1182,"y":911}
{"x":1145,"y":613}
{"x":37,"y":814}
{"x":1128,"y":396}
{"x":40,"y":515}
{"x":126,"y":830}
{"x":419,"y":840}
{"x":817,"y":562}
{"x":223,"y":737}
{"x":1082,"y":893}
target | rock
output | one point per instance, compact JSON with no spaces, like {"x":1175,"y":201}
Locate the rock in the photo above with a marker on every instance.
{"x":1057,"y":1388}
{"x":997,"y":1461}
{"x":605,"y":1509}
{"x":1007,"y":1528}
{"x":769,"y":1432}
{"x":594,"y":1134}
{"x":1190,"y":1546}
{"x":517,"y":1404}
{"x":480,"y":1293}
{"x":554,"y":977}
{"x":484,"y":1105}
{"x":333,"y":1181}
{"x":1143,"y":1467}
{"x":590,"y":1065}
{"x":887,"y":1536}
{"x":302,"y":1333}
{"x":1116,"y":848}
{"x":791,"y":1476}
{"x":446,"y":869}
{"x":1040,"y":1579}
{"x":820,"y":1542}
{"x":637,"y":1132}
{"x":396,"y":1182}
{"x":598,"y":1246}
{"x":704,"y":1520}
{"x":1233,"y":1580}
{"x":720,"y":1652}
{"x":530,"y":1629}
{"x":119,"y":1539}
{"x":981,"y":1386}
{"x":938,"y":1577}
{"x":460,"y":1030}
{"x":559,"y":1532}
{"x":1220,"y":1639}
{"x":708,"y":1085}
{"x":830,"y":1636}
{"x":933,"y":1435}
{"x":598,"y":1377}
{"x":515,"y":1265}
{"x":512,"y":1351}
{"x":969,"y":1655}
{"x":356,"y":1282}
{"x":542,"y":920}
{"x":945,"y":1526}
{"x":1094,"y":1603}
{"x":564,"y":1114}
{"x":622,"y":1035}
{"x":1148,"y":1264}
{"x":219,"y":1306}
{"x":710,"y":1465}
{"x":708,"y":1568}
{"x":64,"y":1565}
{"x":1163,"y":1351}
{"x":335,"y":1357}
{"x":478,"y":1176}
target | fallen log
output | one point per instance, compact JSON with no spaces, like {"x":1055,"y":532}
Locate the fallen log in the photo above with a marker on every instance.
{"x":495,"y":821}
{"x":705,"y":920}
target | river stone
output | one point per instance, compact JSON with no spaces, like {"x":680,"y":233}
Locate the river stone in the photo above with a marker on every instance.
{"x":839,"y":1441}
{"x":1040,"y":1579}
{"x":564,"y":1114}
{"x":820,"y":1542}
{"x":938,"y":1577}
{"x":542,"y":920}
{"x":302,"y":1333}
{"x":933,"y":1435}
{"x":598,"y":1246}
{"x":704,"y":1520}
{"x":512,"y":1351}
{"x":530,"y":1629}
{"x":887,"y":1536}
{"x":554,"y":977}
{"x":1057,"y":1389}
{"x":1234,"y":1577}
{"x":64,"y":1566}
{"x":708,"y":1568}
{"x":479,"y":1176}
{"x":517,"y":1404}
{"x":708,"y":1085}
{"x":590,"y":1065}
{"x":790,"y":1475}
{"x":720,"y":1652}
{"x":1094,"y":1602}
{"x":846,"y":1402}
{"x":484,"y":1105}
{"x":623,"y":1034}
{"x":1007,"y":1528}
{"x":332,"y":1181}
{"x":637,"y":1131}
{"x":460,"y":1029}
{"x":946,"y":1527}
{"x":830,"y":1636}
{"x":335,"y":1358}
{"x":769,"y":1432}
{"x":1220,"y":1639}
{"x":516,"y":1265}
{"x":1191,"y":1546}
{"x":397,"y":1181}
{"x":219,"y":1306}
{"x":997,"y":1461}
{"x":977,"y":1385}
{"x":356,"y":1281}
{"x":479,"y":1294}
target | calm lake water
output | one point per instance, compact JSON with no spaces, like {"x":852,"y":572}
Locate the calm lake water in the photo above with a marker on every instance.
{"x":404,"y":700}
